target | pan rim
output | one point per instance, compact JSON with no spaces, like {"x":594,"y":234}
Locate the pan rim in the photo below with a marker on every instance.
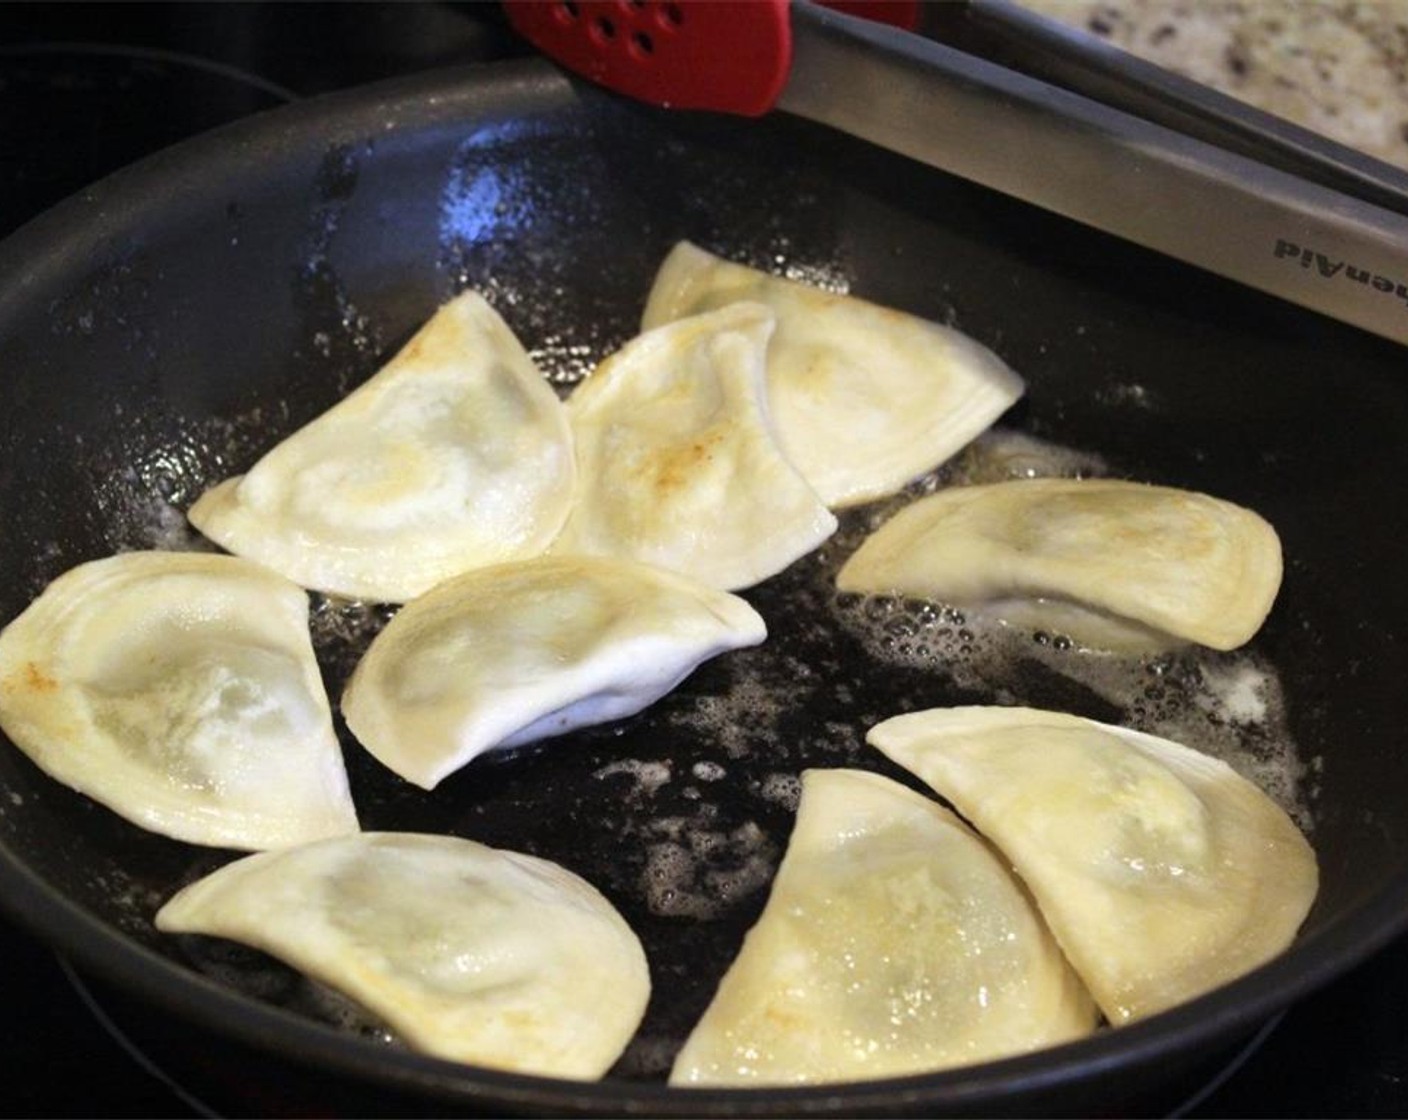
{"x":437,"y":98}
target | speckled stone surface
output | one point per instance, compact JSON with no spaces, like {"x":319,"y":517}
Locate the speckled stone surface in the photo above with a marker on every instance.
{"x":1338,"y":67}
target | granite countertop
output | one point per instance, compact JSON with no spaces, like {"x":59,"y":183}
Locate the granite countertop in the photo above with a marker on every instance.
{"x":1335,"y":66}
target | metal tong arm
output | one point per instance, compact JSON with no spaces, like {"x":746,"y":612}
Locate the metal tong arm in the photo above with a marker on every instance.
{"x":1144,"y":182}
{"x":1016,"y":37}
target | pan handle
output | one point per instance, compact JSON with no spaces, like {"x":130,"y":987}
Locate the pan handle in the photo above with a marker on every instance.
{"x":1005,"y":32}
{"x":1234,"y":216}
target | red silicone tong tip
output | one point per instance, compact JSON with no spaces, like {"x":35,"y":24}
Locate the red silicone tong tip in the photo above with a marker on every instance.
{"x":731,"y":56}
{"x":685,"y":54}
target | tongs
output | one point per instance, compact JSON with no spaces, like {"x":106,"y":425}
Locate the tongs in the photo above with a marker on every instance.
{"x":1018,"y":103}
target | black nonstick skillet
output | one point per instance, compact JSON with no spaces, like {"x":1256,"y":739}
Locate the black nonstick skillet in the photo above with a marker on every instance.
{"x":160,"y":330}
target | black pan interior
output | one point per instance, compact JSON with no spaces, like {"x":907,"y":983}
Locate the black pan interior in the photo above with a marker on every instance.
{"x":160,"y":331}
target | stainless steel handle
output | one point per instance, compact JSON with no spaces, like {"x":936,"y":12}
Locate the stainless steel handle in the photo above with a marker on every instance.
{"x":1005,"y":32}
{"x":1143,"y":182}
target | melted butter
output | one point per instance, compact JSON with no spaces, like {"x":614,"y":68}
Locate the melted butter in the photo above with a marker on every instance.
{"x":1229,"y":705}
{"x":744,"y":738}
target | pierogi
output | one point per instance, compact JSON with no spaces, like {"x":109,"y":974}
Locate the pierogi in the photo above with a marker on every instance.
{"x":864,"y":398}
{"x":466,"y":952}
{"x":518,"y":652}
{"x":1110,"y":564}
{"x":455,"y":455}
{"x":180,"y":690}
{"x":1162,"y":872}
{"x":894,"y":942}
{"x":678,"y":461}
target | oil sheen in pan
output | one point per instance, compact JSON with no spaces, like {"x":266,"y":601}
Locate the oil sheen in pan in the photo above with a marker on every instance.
{"x":694,"y":797}
{"x":679,"y":814}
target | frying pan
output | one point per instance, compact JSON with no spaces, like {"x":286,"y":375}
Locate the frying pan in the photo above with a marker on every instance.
{"x":160,"y":330}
